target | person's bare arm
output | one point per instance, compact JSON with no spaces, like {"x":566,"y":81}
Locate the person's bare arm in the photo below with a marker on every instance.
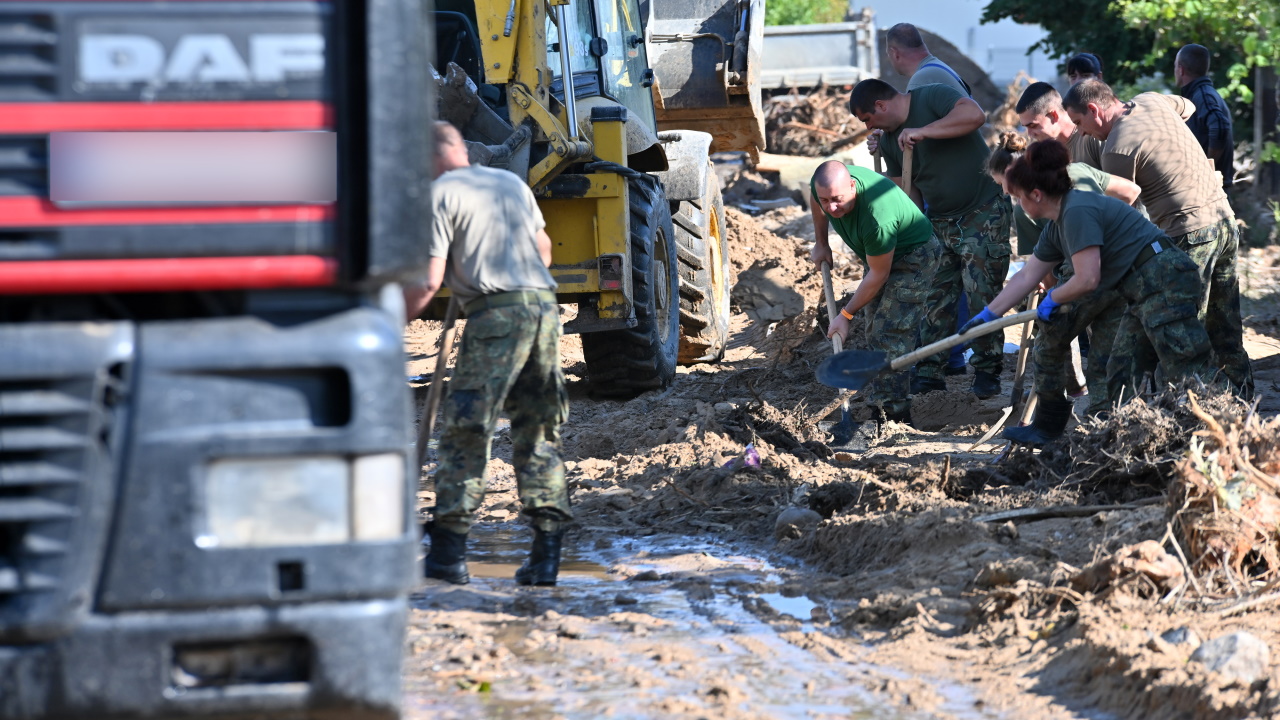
{"x":872,"y":283}
{"x":1088,"y":267}
{"x":544,"y":247}
{"x":1020,"y":285}
{"x":1126,"y":191}
{"x":965,"y":117}
{"x":821,"y":251}
{"x":417,"y":297}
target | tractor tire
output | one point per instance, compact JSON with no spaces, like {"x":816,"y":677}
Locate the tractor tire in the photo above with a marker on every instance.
{"x":629,"y":362}
{"x":703,"y":252}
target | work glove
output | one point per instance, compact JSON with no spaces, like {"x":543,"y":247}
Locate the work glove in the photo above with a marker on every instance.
{"x":1045,"y":310}
{"x":985,"y":316}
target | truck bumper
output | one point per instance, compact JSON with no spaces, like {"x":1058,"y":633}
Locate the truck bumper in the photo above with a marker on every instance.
{"x":319,"y":660}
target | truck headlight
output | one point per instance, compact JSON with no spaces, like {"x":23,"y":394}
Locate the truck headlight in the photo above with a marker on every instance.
{"x":317,"y":500}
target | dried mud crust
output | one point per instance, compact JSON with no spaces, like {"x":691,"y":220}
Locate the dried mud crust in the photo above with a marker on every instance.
{"x":904,"y":561}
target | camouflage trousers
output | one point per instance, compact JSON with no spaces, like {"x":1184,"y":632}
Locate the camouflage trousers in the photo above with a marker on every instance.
{"x":895,"y":316}
{"x":510,"y":359}
{"x":1098,"y":313}
{"x":1215,"y":250}
{"x":1164,"y":296}
{"x":975,"y":259}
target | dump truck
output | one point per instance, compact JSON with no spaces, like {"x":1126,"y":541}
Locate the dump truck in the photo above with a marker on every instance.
{"x":205,"y":479}
{"x":610,"y":110}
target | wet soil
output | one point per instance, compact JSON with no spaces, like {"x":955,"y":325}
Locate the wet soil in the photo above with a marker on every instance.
{"x":901,"y":595}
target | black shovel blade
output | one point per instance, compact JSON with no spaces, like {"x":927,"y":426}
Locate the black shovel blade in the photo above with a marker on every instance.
{"x":852,"y":369}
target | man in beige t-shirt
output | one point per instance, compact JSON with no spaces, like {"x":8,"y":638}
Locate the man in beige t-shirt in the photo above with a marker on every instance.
{"x":488,"y":245}
{"x":1147,"y":141}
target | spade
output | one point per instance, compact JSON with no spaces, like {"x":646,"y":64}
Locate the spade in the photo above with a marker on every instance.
{"x":853,"y":369}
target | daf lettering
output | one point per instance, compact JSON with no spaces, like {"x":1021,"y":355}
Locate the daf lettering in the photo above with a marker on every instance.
{"x":205,"y":58}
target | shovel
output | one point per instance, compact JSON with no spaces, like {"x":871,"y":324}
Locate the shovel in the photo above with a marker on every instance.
{"x":841,"y":432}
{"x":853,"y":369}
{"x":427,"y":425}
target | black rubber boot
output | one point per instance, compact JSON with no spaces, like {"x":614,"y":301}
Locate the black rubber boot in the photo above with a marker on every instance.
{"x":985,"y":384}
{"x":922,"y":385}
{"x":447,"y":559}
{"x":903,"y":417}
{"x":544,"y":559}
{"x":1052,"y":416}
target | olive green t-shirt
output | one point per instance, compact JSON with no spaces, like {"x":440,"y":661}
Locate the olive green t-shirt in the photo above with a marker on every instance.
{"x":1091,"y":219}
{"x":485,"y":224}
{"x":883,"y":218}
{"x":1085,"y":149}
{"x":952,"y":173}
{"x":1083,"y":178}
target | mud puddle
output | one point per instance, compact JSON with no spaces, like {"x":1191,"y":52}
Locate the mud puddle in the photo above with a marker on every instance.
{"x":654,"y":627}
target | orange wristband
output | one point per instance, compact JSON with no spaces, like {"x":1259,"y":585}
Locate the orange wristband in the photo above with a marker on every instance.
{"x":847,"y":315}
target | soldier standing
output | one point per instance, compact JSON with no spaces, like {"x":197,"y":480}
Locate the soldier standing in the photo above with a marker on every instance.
{"x":971,"y":215}
{"x":490,"y":249}
{"x":1211,"y":122}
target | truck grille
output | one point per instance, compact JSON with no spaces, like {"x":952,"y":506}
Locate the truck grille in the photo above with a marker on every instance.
{"x":24,"y":166}
{"x":55,"y":449}
{"x":28,"y":57}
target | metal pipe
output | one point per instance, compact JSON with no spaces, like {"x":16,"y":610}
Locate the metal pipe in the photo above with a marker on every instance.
{"x":566,"y":73}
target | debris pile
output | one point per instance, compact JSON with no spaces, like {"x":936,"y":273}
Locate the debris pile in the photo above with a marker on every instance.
{"x":1226,"y":498}
{"x":813,"y":125}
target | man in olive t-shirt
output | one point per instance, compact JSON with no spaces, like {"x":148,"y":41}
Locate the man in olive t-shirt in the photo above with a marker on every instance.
{"x":1147,"y":141}
{"x":895,"y":243}
{"x":971,"y":215}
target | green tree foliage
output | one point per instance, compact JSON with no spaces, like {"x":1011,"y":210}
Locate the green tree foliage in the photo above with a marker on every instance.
{"x":1085,"y":26}
{"x":1240,"y":34}
{"x":804,"y":12}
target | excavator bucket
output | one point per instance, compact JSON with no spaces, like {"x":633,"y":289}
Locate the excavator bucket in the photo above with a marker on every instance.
{"x":705,"y":56}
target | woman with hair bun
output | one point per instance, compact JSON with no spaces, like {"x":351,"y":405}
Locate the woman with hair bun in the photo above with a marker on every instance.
{"x":1094,"y":319}
{"x":1109,"y":246}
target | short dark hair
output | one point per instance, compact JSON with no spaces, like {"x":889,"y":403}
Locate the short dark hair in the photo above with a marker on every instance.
{"x":1042,"y":167}
{"x":867,"y":93}
{"x":1194,"y":59}
{"x":1040,"y":98}
{"x":1084,"y":64}
{"x":904,"y":35}
{"x":1089,"y":91}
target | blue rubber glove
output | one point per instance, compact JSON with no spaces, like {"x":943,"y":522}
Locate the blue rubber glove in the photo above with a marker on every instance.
{"x":985,"y":316}
{"x":1045,"y":310}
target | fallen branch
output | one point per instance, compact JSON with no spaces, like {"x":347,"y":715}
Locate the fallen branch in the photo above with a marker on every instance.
{"x":1063,"y":511}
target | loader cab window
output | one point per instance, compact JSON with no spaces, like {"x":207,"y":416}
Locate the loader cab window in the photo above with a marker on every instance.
{"x":624,"y":62}
{"x":580,"y":32}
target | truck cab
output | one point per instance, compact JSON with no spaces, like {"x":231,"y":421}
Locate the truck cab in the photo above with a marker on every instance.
{"x":206,"y":482}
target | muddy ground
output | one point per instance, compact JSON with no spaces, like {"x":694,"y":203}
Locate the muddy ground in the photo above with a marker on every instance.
{"x":891,"y":593}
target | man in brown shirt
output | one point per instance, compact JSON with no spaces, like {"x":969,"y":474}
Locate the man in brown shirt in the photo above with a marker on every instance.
{"x":1147,"y":141}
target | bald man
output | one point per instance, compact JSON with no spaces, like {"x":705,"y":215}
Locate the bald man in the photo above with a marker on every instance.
{"x":899,"y":254}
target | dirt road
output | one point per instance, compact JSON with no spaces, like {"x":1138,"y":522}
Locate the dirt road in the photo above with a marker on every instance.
{"x":891,"y":595}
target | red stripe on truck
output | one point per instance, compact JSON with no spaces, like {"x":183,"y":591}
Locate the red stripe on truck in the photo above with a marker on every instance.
{"x":60,"y":277}
{"x":42,"y":118}
{"x":28,"y":211}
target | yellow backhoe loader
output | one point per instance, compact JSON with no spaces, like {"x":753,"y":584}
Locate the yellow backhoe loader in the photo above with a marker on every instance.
{"x":620,"y":164}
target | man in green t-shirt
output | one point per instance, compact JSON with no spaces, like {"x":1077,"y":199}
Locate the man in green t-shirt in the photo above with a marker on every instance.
{"x":899,"y":254}
{"x":971,"y":215}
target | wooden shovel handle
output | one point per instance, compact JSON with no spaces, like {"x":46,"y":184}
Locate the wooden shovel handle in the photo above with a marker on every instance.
{"x":879,"y":160}
{"x":836,"y":343}
{"x":430,"y":404}
{"x":906,"y":170}
{"x":911,"y":358}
